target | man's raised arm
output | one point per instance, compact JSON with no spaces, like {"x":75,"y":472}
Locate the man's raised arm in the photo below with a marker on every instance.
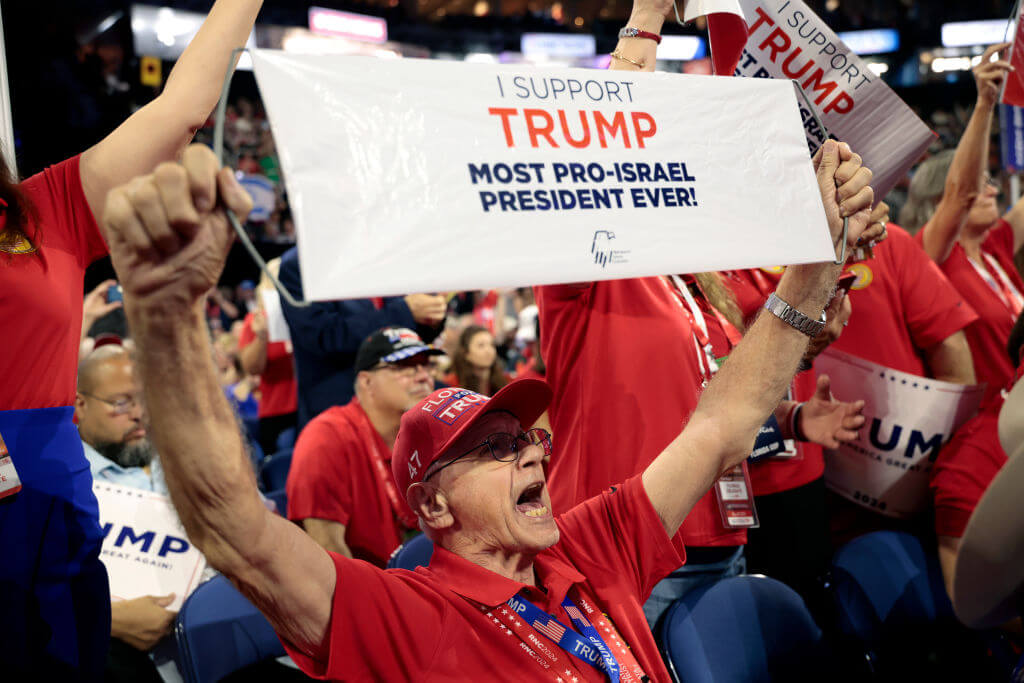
{"x":168,"y":253}
{"x":721,"y":432}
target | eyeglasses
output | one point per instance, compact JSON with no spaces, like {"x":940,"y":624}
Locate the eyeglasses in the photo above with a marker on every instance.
{"x":986,"y":179}
{"x":403,"y":369}
{"x":120,"y":406}
{"x":504,"y":447}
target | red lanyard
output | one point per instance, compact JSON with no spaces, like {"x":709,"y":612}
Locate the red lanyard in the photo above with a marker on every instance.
{"x":403,"y":514}
{"x":1000,"y":284}
{"x":550,"y":657}
{"x":698,"y":325}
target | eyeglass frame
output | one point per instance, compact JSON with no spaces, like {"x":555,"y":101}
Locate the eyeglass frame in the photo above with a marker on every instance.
{"x":544,"y":443}
{"x":122,"y":406}
{"x":401,"y":368}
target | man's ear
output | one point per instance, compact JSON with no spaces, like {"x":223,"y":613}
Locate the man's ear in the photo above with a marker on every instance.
{"x":431,"y":505}
{"x":79,"y":405}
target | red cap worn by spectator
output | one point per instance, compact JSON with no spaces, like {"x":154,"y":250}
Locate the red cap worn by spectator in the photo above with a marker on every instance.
{"x":434,"y":424}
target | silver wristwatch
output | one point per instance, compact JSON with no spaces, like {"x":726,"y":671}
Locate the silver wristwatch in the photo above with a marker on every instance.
{"x":793,"y":317}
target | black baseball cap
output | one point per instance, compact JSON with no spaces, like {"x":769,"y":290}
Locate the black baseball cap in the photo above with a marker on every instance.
{"x":390,"y":345}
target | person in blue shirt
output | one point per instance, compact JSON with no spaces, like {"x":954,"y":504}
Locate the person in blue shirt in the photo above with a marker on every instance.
{"x":326,"y":336}
{"x":109,"y":414}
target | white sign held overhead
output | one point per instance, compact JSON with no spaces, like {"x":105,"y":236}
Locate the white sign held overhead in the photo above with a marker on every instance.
{"x":6,"y":120}
{"x":787,"y":40}
{"x":909,"y":418}
{"x":402,"y":174}
{"x":145,"y":549}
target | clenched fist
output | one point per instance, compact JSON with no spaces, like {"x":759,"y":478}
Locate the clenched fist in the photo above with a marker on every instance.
{"x":167,"y":231}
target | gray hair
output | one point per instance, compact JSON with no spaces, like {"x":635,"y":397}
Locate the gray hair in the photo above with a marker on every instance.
{"x":926,"y":188}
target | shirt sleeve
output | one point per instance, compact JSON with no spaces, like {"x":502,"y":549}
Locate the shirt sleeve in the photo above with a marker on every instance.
{"x":617,"y":536}
{"x":382,"y":627}
{"x":60,"y":186}
{"x":317,"y":483}
{"x":933,"y":309}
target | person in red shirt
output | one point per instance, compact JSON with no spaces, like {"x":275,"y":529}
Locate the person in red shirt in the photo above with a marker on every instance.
{"x":274,"y":363}
{"x":511,"y":587}
{"x":55,"y":615}
{"x":960,"y":229}
{"x":961,"y":474}
{"x":340,"y":487}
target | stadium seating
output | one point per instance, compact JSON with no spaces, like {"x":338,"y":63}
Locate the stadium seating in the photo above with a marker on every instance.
{"x":745,"y":628}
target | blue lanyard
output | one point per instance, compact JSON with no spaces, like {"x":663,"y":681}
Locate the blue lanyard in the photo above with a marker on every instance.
{"x":591,"y":649}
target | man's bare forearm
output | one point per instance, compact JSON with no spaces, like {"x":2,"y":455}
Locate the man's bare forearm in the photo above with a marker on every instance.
{"x":721,"y":432}
{"x":201,"y":450}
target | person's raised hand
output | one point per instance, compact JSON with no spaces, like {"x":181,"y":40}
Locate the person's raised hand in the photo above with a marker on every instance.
{"x":95,"y":304}
{"x":427,"y":309}
{"x":844,"y":184}
{"x":649,"y":15}
{"x":989,"y":75}
{"x":142,"y":622}
{"x":259,"y":324}
{"x":828,"y":422}
{"x":167,"y":231}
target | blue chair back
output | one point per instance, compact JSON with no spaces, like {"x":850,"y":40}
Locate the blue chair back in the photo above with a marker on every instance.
{"x":745,"y":628}
{"x":274,"y":471}
{"x":286,"y":439}
{"x":219,"y":631}
{"x":416,"y":552}
{"x":280,"y":498}
{"x":885,"y":582}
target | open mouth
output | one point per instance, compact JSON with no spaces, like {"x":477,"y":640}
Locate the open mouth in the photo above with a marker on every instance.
{"x":530,"y":501}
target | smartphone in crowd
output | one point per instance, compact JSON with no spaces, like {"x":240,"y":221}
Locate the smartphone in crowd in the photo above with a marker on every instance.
{"x":114,"y":293}
{"x":845,"y":282}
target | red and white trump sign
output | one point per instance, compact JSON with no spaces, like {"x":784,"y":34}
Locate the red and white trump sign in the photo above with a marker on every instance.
{"x":788,"y":41}
{"x":416,"y":175}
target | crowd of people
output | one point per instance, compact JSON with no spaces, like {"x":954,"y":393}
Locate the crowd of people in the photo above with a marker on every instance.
{"x":581,"y":456}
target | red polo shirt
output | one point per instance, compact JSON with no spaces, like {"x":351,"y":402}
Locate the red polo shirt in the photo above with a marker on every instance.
{"x":278,"y":389}
{"x":332,"y":477}
{"x":965,"y":468}
{"x":902,"y":304}
{"x":626,"y":377}
{"x":398,"y":625}
{"x":774,"y":475}
{"x":41,"y":293}
{"x":989,"y":334}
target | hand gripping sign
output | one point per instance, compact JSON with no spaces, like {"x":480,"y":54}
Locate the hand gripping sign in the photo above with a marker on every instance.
{"x":145,"y":549}
{"x":909,"y":418}
{"x":416,"y":175}
{"x":787,"y":40}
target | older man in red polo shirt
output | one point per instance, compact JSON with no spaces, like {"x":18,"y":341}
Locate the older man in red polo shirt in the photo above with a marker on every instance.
{"x":512,"y":592}
{"x":340,"y":486}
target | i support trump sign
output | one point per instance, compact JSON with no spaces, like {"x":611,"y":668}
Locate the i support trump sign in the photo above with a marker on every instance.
{"x":415,"y":175}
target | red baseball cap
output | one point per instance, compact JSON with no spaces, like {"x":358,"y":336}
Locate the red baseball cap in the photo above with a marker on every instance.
{"x":433,"y":424}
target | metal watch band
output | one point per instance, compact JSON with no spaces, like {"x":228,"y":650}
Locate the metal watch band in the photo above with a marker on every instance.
{"x":793,"y":317}
{"x":630,"y":32}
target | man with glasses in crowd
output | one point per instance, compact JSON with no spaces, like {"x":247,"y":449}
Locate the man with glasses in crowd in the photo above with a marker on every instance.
{"x":109,"y":414}
{"x":340,"y":486}
{"x":512,"y":592}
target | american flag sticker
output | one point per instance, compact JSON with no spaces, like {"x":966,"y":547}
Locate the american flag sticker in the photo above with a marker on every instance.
{"x":574,"y":613}
{"x":551,"y":629}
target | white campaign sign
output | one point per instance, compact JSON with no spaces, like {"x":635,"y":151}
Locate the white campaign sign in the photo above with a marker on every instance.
{"x":277,"y":326}
{"x":145,"y":549}
{"x":909,"y":418}
{"x":789,"y":41}
{"x":414,"y":175}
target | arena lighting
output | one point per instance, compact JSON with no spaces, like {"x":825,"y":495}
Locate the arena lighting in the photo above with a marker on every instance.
{"x":165,"y":33}
{"x":970,"y":33}
{"x":871,"y":42}
{"x":945,"y":64}
{"x":335,"y":23}
{"x":481,"y":58}
{"x":683,"y":48}
{"x":878,"y":68}
{"x":536,"y":46}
